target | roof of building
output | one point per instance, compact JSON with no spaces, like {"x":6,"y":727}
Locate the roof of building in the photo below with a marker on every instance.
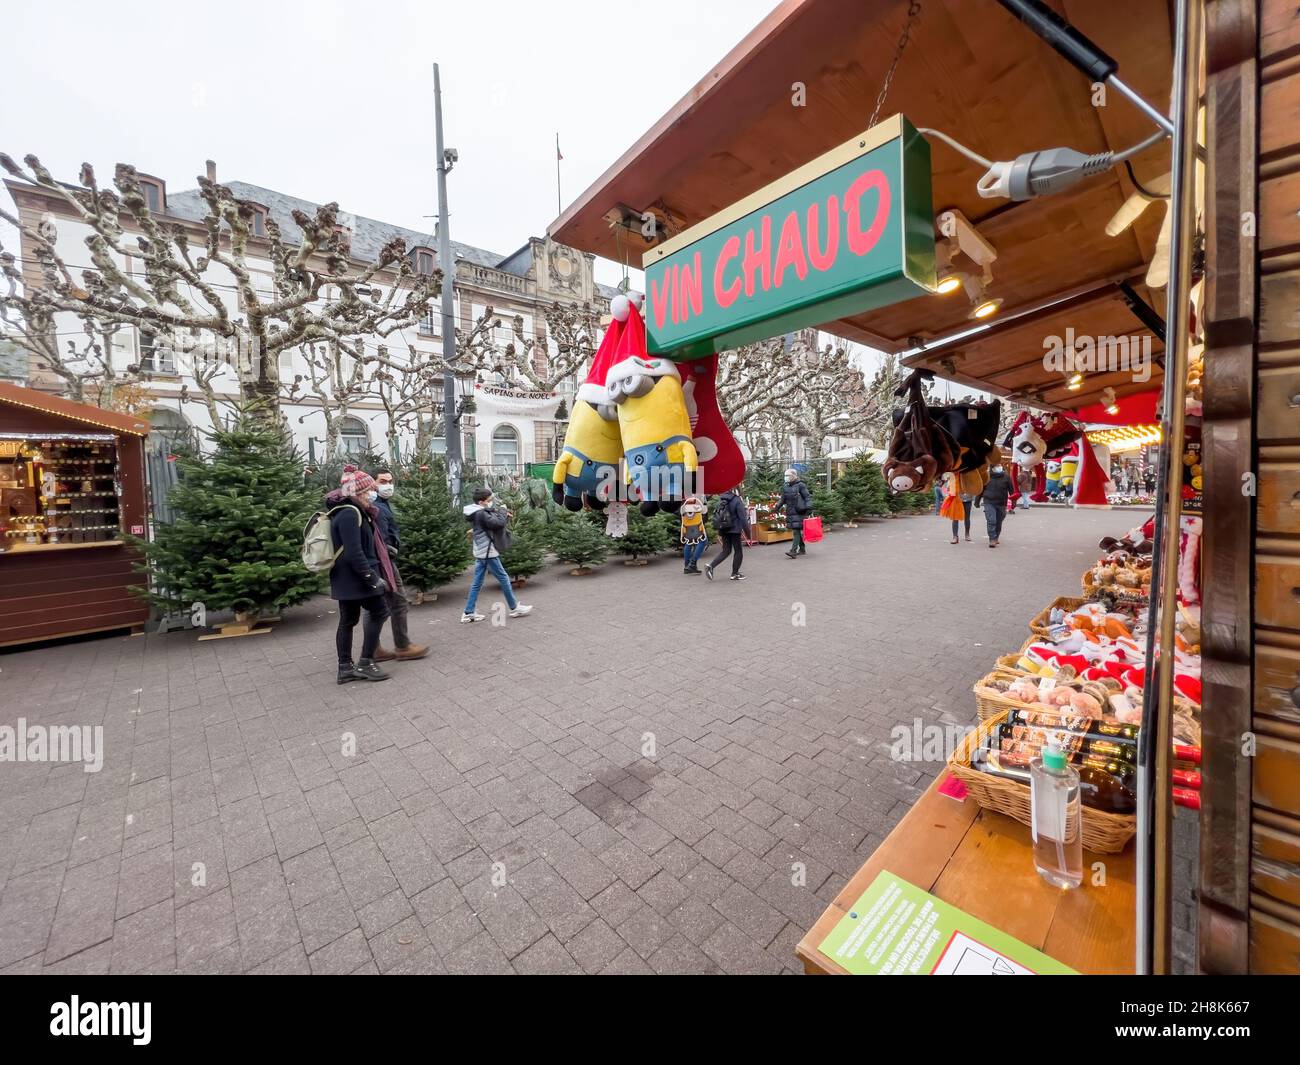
{"x":368,"y":234}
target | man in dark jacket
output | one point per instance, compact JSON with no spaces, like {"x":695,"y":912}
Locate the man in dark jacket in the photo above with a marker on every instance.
{"x":798,"y":505}
{"x":396,"y":598}
{"x":730,"y":519}
{"x":487,"y":523}
{"x":994,"y":499}
{"x":357,"y":579}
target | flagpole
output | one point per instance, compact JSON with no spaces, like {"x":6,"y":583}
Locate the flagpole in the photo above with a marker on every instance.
{"x":559,"y":207}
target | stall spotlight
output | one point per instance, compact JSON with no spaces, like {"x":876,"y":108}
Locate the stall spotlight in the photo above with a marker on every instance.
{"x":1113,"y":409}
{"x":986,"y":308}
{"x":1075,"y":382}
{"x":951,"y":283}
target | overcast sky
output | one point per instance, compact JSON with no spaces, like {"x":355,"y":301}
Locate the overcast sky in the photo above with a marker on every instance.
{"x":333,"y":100}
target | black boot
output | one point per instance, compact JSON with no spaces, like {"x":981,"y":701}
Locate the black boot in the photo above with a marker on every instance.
{"x":347,"y":672}
{"x":367,"y":670}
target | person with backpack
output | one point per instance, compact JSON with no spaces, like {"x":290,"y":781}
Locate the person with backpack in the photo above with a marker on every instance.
{"x":361,"y":575}
{"x":488,"y":528}
{"x":731,"y":520}
{"x":798,"y":505}
{"x":404,"y":650}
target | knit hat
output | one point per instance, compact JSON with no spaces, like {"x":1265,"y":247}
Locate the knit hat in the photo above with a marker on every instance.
{"x":355,"y":482}
{"x":593,"y":388}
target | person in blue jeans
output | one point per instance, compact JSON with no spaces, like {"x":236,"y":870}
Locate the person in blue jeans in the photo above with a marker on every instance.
{"x":488,"y":523}
{"x":994,"y":499}
{"x":694,"y":535}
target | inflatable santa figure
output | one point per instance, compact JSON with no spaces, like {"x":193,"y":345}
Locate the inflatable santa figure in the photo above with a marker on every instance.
{"x":1032,"y":440}
{"x":1092,"y":483}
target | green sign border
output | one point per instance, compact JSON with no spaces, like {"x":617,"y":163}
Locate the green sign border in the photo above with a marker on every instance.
{"x":916,"y":234}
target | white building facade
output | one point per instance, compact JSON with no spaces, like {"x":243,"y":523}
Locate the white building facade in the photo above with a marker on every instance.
{"x":512,"y":424}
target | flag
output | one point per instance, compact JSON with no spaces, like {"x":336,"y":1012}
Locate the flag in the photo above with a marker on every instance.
{"x":558,"y":156}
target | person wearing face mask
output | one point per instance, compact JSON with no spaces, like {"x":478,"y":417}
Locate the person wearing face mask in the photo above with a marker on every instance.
{"x":798,"y":505}
{"x":404,"y":649}
{"x":362,"y":573}
{"x":994,"y":499}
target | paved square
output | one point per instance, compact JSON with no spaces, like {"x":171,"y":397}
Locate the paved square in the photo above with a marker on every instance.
{"x":652,"y":773}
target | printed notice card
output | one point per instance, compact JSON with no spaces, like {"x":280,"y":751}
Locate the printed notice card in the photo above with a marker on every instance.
{"x":896,"y":928}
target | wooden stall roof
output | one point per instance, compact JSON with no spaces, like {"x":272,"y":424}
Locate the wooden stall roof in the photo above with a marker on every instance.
{"x":110,"y":420}
{"x":970,"y":70}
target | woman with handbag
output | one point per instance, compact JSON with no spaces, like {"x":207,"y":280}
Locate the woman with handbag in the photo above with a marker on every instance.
{"x":798,"y":505}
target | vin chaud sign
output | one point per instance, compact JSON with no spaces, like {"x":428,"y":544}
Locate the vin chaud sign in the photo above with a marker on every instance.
{"x":847,"y":232}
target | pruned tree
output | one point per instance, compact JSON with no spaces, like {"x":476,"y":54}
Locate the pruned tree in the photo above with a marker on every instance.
{"x":539,"y":362}
{"x":777,"y":388}
{"x":146,"y":273}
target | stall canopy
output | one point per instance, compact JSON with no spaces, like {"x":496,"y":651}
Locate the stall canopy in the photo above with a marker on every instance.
{"x":109,"y":420}
{"x":975,"y":73}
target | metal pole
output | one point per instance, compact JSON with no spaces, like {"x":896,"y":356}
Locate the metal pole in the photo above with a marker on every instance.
{"x":1154,"y":852}
{"x":450,"y":419}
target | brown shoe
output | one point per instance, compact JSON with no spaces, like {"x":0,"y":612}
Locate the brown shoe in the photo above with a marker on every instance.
{"x":383,"y":654}
{"x":993,"y":543}
{"x":414,"y":651}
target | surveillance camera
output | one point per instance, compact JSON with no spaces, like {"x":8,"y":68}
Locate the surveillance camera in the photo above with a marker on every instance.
{"x":451,"y":155}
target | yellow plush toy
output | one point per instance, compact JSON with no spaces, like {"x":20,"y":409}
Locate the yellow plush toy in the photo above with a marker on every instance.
{"x":588,"y":466}
{"x":587,"y":470}
{"x":662,"y":463}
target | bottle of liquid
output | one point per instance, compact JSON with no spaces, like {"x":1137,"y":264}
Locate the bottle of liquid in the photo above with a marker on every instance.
{"x":1057,"y":819}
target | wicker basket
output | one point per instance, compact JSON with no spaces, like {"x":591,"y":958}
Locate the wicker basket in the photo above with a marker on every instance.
{"x":990,"y":702}
{"x":1103,"y":833}
{"x":1038,"y":623}
{"x":1008,"y":664}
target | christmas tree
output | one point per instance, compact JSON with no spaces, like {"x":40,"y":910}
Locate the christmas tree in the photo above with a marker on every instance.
{"x":826,"y":505}
{"x":861,"y":488}
{"x":435,"y":542}
{"x":579,"y":542}
{"x":645,"y":536}
{"x":527,"y":552}
{"x":763,"y":477}
{"x":240,"y":514}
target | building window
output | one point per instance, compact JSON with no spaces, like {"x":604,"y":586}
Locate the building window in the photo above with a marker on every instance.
{"x":505,"y":446}
{"x":354,"y":440}
{"x":422,"y":259}
{"x":169,"y":431}
{"x":155,"y":193}
{"x":429,"y":323}
{"x":154,"y":359}
{"x":257,"y":224}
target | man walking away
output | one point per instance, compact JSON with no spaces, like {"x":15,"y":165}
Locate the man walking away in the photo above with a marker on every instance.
{"x":994,"y":499}
{"x":730,"y":519}
{"x":358,"y":578}
{"x":798,"y":505}
{"x":488,"y":523}
{"x":406,"y":651}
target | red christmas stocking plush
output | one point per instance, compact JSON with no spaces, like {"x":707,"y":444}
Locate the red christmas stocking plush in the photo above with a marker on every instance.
{"x":722,"y":465}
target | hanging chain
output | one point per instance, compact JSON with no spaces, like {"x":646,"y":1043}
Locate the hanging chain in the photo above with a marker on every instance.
{"x":913,"y":13}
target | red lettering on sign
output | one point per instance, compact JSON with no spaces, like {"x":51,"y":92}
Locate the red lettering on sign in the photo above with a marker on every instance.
{"x":789,"y":250}
{"x":725,"y":297}
{"x":677,"y":287}
{"x":659,"y":298}
{"x":759,"y":258}
{"x":824,"y":260}
{"x":690,"y":291}
{"x":862,"y":241}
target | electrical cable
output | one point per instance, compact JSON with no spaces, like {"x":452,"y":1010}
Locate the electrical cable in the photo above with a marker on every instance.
{"x":967,"y":152}
{"x":1142,"y":190}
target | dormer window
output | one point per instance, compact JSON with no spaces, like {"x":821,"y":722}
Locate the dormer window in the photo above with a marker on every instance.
{"x":155,"y":193}
{"x":422,"y":260}
{"x":257,"y":224}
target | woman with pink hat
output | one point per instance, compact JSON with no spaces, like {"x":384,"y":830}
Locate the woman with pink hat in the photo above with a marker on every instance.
{"x":361,"y":575}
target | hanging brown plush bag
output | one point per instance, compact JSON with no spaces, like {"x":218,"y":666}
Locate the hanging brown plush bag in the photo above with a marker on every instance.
{"x":919,"y":449}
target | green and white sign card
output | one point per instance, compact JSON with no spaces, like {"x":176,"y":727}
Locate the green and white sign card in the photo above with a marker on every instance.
{"x":895,"y":928}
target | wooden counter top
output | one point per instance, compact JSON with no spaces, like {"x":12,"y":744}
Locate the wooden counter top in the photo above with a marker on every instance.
{"x":982,"y":862}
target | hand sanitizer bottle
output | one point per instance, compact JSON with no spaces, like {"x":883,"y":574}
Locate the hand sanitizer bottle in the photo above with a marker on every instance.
{"x":1057,"y":822}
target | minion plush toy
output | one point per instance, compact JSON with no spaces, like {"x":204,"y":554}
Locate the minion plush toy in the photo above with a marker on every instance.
{"x":1053,"y":477}
{"x":1069,"y":466}
{"x":588,"y":468}
{"x":662,"y":463}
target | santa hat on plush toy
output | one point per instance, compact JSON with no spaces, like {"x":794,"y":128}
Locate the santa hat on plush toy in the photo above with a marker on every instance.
{"x":631,"y":356}
{"x":593,"y":388}
{"x":1091,"y":482}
